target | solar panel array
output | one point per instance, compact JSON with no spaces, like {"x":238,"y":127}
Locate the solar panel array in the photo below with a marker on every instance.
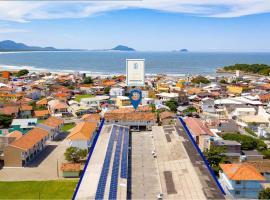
{"x":123,"y":135}
{"x":115,"y":169}
{"x":106,"y":165}
{"x":124,"y":162}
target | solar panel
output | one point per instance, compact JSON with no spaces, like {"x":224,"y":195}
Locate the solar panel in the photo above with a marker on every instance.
{"x":115,"y":170}
{"x":106,"y":165}
{"x":124,"y":164}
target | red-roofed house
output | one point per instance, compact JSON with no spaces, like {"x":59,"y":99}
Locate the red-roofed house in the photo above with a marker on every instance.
{"x":241,"y":180}
{"x":25,"y":148}
{"x":200,"y":131}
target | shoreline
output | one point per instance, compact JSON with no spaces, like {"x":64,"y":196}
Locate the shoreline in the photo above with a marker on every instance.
{"x":89,"y":73}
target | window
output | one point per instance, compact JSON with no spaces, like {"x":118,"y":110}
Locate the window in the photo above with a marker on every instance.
{"x":237,"y":192}
{"x":238,"y":182}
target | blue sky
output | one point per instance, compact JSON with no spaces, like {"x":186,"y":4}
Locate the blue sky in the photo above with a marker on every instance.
{"x":145,"y":25}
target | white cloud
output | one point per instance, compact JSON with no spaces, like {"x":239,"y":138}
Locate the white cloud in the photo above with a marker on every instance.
{"x":26,"y":11}
{"x":12,"y":30}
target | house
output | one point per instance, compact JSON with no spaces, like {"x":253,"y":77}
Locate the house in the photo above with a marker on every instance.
{"x":200,"y":132}
{"x":148,"y":101}
{"x":135,"y":120}
{"x":234,"y":89}
{"x":122,"y":101}
{"x":264,"y":98}
{"x":24,"y":125}
{"x":6,"y":139}
{"x":42,"y":114}
{"x":263,"y":166}
{"x":53,"y":126}
{"x":232,"y":149}
{"x":183,"y":98}
{"x":95,"y":117}
{"x":252,"y":120}
{"x":25,"y":111}
{"x":208,"y":105}
{"x":228,"y":127}
{"x":164,"y":96}
{"x":82,"y":134}
{"x":241,"y":180}
{"x":57,"y":107}
{"x":162,"y":87}
{"x":94,"y":102}
{"x":167,"y":117}
{"x":10,"y":110}
{"x":26,"y":148}
{"x":71,"y":170}
{"x":116,"y":91}
{"x":42,"y":102}
{"x":252,"y":155}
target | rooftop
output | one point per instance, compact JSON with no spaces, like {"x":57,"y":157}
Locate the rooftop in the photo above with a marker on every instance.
{"x":31,"y":138}
{"x":241,"y":172}
{"x":53,"y":122}
{"x":83,"y":131}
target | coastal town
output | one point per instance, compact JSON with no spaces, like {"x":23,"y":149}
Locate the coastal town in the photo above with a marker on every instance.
{"x":191,"y":137}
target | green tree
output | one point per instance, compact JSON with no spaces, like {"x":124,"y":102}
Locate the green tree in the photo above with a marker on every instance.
{"x":74,"y":154}
{"x":153,"y":107}
{"x":5,"y":120}
{"x":223,"y":81}
{"x":250,"y":68}
{"x":88,"y":80}
{"x":266,"y":153}
{"x":22,"y":72}
{"x":200,"y":79}
{"x":215,"y":157}
{"x":172,"y":104}
{"x":107,"y":90}
{"x":247,"y":142}
{"x":189,"y":109}
{"x":264,"y":194}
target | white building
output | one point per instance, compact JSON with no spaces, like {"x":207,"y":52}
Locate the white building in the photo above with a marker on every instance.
{"x":82,"y":135}
{"x":114,"y":92}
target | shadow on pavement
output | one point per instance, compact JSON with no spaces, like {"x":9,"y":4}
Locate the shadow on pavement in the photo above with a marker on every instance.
{"x":41,"y":156}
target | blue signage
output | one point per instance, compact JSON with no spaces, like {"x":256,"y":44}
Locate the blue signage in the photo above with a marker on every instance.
{"x":135,"y":97}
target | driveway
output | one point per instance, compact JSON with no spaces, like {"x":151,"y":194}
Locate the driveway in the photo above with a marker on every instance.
{"x":46,"y":166}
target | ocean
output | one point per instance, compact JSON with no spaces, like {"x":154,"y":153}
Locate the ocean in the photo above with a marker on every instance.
{"x":109,"y":63}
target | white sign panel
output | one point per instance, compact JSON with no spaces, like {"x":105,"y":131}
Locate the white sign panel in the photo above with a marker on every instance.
{"x":135,"y":72}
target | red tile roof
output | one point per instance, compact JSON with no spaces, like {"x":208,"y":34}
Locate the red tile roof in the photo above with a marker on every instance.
{"x":31,"y":138}
{"x":131,"y":116}
{"x":197,"y":127}
{"x":53,"y":122}
{"x":241,"y":172}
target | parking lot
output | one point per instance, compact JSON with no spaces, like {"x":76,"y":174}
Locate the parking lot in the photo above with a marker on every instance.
{"x":46,"y":166}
